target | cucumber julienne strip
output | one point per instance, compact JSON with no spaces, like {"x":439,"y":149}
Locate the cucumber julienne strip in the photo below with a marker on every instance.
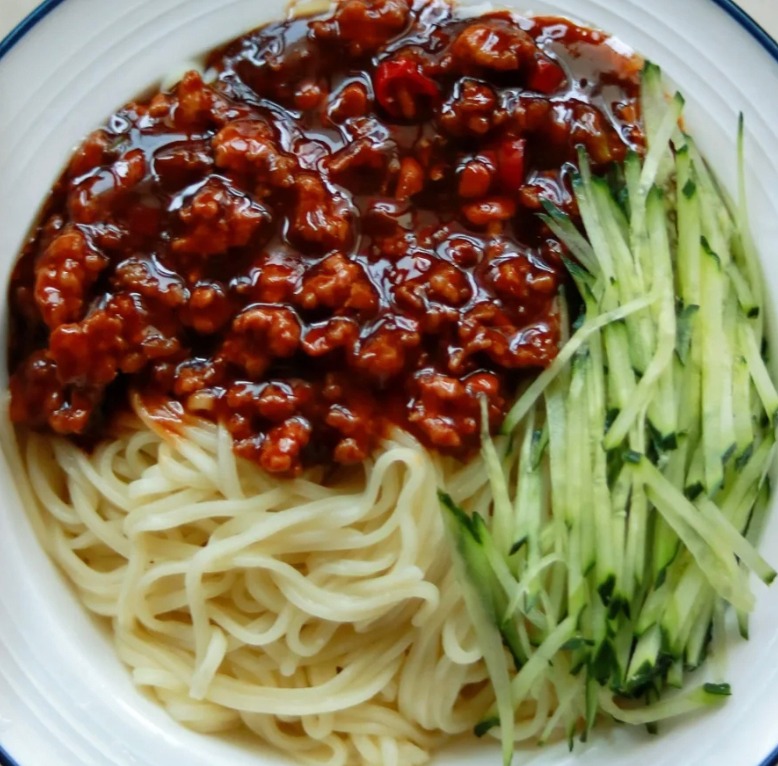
{"x":632,"y":487}
{"x":699,"y":531}
{"x":564,"y":228}
{"x":502,"y":517}
{"x":476,"y":590}
{"x":758,"y":369}
{"x":745,"y":241}
{"x":721,"y":532}
{"x":529,"y":577}
{"x":713,"y":391}
{"x":658,"y":143}
{"x":701,"y":697}
{"x":589,"y":328}
{"x":666,"y":329}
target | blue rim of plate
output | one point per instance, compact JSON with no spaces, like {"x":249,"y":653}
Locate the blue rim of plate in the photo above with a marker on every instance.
{"x":728,"y":6}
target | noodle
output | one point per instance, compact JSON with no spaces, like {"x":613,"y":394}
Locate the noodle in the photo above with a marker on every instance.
{"x":322,"y":616}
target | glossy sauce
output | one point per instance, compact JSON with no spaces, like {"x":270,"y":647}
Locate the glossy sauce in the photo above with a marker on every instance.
{"x":337,"y":234}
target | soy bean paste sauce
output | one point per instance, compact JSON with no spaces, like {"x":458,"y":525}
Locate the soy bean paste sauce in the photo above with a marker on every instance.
{"x":336,"y":233}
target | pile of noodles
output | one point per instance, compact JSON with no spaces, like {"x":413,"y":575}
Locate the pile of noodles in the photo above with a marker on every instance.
{"x":321,"y":613}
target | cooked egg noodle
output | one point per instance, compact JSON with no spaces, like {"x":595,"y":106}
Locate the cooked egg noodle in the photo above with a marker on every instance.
{"x":322,"y":616}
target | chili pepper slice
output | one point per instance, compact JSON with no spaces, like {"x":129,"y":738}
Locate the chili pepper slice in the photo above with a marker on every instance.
{"x":400,"y":85}
{"x":510,"y":164}
{"x":546,"y":76}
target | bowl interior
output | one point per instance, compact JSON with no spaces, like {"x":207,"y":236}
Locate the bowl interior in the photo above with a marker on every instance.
{"x":64,"y":696}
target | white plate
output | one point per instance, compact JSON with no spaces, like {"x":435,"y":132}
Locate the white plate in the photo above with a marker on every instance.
{"x":65,"y":700}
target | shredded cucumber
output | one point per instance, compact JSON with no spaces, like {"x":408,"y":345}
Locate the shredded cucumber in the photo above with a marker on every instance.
{"x":478,"y":587}
{"x":629,"y":483}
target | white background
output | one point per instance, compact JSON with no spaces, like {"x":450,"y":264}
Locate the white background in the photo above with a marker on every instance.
{"x":764,"y":11}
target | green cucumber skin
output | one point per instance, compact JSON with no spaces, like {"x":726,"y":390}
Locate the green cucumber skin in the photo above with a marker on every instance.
{"x":634,"y":486}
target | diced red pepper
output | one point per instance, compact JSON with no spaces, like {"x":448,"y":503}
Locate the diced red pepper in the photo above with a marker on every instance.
{"x":510,"y":164}
{"x":546,"y":76}
{"x":400,"y":85}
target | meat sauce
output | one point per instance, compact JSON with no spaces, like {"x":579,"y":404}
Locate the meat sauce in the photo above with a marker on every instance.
{"x":336,"y":232}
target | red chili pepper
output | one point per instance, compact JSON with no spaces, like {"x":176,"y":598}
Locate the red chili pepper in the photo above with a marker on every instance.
{"x":546,"y":77}
{"x":510,"y":164}
{"x":398,"y":86}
